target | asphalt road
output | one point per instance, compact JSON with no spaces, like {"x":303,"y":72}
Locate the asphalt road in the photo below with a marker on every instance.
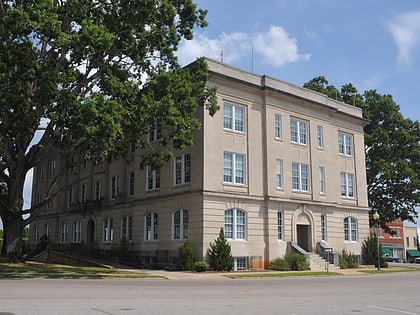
{"x":397,"y":293}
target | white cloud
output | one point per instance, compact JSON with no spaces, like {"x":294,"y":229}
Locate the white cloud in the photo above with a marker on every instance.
{"x":405,"y":30}
{"x":276,"y":47}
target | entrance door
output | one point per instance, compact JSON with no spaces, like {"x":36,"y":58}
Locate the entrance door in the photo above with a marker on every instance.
{"x":91,"y":232}
{"x":303,"y":236}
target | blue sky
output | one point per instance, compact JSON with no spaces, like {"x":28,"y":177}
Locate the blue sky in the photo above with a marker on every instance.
{"x":373,"y":44}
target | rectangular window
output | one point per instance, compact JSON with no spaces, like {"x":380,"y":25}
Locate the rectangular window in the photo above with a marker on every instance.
{"x":127,"y":228}
{"x":151,"y":227}
{"x":407,"y":241}
{"x":47,"y":230}
{"x":153,"y":178}
{"x":240,"y":263}
{"x":69,"y":197}
{"x":180,"y":224}
{"x":182,"y":169}
{"x":234,"y":168}
{"x":323,"y":227}
{"x":131,"y":184}
{"x":320,"y":136}
{"x":350,"y":229}
{"x":77,"y":232}
{"x":41,"y":172}
{"x":52,"y":167}
{"x":280,"y":225}
{"x":233,"y":117}
{"x":279,"y":174}
{"x":36,"y":234}
{"x":115,"y":186}
{"x":155,"y":130}
{"x":300,"y":177}
{"x":64,"y":232}
{"x":345,"y":144}
{"x":322,"y":180}
{"x":347,"y":184}
{"x":108,"y":230}
{"x":277,"y":126}
{"x":299,"y":131}
{"x":235,"y":224}
{"x":83,"y":193}
{"x":98,"y":189}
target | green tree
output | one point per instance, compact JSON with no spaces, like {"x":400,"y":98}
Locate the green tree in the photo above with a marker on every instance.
{"x":220,"y":254}
{"x":392,"y":150}
{"x":186,"y":254}
{"x":370,"y":252}
{"x":91,"y":76}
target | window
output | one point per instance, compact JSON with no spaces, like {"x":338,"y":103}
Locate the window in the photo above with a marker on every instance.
{"x":36,"y":234}
{"x":240,"y":263}
{"x":155,"y":130}
{"x":299,"y":131}
{"x":235,"y":224}
{"x":234,"y":168}
{"x":77,"y":232}
{"x":407,"y":241}
{"x":280,"y":225}
{"x":131,"y":184}
{"x":182,"y":169}
{"x":69,"y":197}
{"x":108,"y":230}
{"x":181,"y":219}
{"x":52,"y":167}
{"x":98,"y":189}
{"x":277,"y":126}
{"x":151,"y":226}
{"x":345,"y":144}
{"x":127,"y":228}
{"x":279,"y":175}
{"x":323,"y":227}
{"x":300,"y":177}
{"x":347,"y":184}
{"x":64,"y":229}
{"x":233,"y":117}
{"x":153,"y":178}
{"x":350,"y":229}
{"x":115,"y":186}
{"x":322,"y":180}
{"x":83,"y":193}
{"x":47,"y":230}
{"x":320,"y":136}
{"x":41,"y":172}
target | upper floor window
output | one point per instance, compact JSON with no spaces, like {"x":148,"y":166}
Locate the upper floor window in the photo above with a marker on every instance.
{"x":320,"y":136}
{"x":108,"y":230}
{"x":322,"y":185}
{"x":350,"y":229}
{"x":155,"y":130}
{"x":151,"y":226}
{"x":182,"y":169}
{"x":299,"y":131}
{"x":131,"y":183}
{"x":347,"y":184}
{"x":83,"y":193}
{"x":41,"y":172}
{"x":235,"y":224}
{"x":127,"y":228}
{"x":233,"y":117}
{"x":279,"y":175}
{"x":234,"y":168}
{"x":277,"y":126}
{"x":115,"y":186}
{"x":300,"y":176}
{"x":98,"y":189}
{"x":153,"y":178}
{"x":280,"y":228}
{"x":345,"y":144}
{"x":181,"y":219}
{"x":69,"y":197}
{"x":52,"y":167}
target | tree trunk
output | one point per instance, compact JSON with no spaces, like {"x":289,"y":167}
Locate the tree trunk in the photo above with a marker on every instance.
{"x":12,"y":237}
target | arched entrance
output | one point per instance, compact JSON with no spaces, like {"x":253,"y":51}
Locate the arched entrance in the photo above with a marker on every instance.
{"x":302,"y":227}
{"x":91,"y":232}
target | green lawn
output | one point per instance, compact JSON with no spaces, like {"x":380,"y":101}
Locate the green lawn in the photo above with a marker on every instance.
{"x":56,"y":271}
{"x":283,"y":274}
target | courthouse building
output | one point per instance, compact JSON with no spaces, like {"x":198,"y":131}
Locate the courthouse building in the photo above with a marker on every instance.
{"x":279,"y":167}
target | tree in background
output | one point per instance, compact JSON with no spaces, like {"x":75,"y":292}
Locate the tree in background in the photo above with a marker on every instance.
{"x":392,"y":148}
{"x":93,"y":76}
{"x":370,"y":252}
{"x":220,"y":254}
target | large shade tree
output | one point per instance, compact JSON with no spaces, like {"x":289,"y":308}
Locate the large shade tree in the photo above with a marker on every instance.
{"x":392,"y":148}
{"x":91,"y":76}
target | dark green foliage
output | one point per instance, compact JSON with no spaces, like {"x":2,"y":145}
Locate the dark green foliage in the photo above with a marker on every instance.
{"x":124,"y":250}
{"x":201,"y":266}
{"x":279,"y":264}
{"x":297,"y":262}
{"x":347,"y":260}
{"x":370,"y":252}
{"x":220,"y":254}
{"x":186,"y":254}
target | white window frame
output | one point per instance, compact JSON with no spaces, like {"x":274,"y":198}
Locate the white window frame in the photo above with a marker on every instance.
{"x":350,"y":229}
{"x":83,"y":193}
{"x":320,"y":136}
{"x":64,"y":230}
{"x":240,"y":263}
{"x":152,"y":178}
{"x":77,"y":232}
{"x":235,"y":229}
{"x":115,"y":186}
{"x":52,"y":168}
{"x":36,"y":234}
{"x":300,"y":177}
{"x":126,"y":228}
{"x":182,"y":169}
{"x":278,"y":127}
{"x":322,"y":183}
{"x":180,"y":224}
{"x":130,"y":183}
{"x":155,"y":130}
{"x":280,"y":225}
{"x":345,"y":144}
{"x":98,"y":189}
{"x":234,"y":117}
{"x":347,"y":183}
{"x":232,"y":172}
{"x":47,"y":230}
{"x":151,"y":226}
{"x":279,"y":175}
{"x":107,"y":230}
{"x":299,"y":131}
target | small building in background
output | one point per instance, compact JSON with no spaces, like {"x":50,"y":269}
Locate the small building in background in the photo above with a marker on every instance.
{"x":411,"y":243}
